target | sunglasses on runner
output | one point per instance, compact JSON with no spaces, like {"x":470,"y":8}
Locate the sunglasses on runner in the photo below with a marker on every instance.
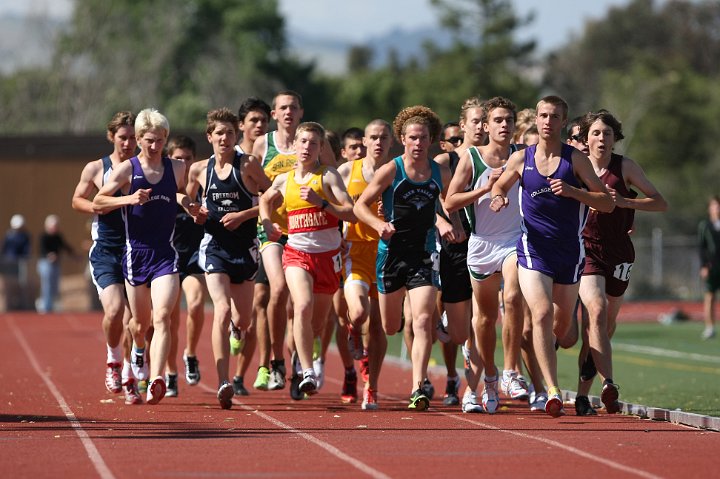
{"x":455,"y":140}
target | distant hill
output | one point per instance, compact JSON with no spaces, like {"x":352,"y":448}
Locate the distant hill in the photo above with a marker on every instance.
{"x":26,"y":41}
{"x":330,"y":55}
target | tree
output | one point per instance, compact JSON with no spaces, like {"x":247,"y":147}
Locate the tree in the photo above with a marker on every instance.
{"x":661,"y":82}
{"x":183,"y":57}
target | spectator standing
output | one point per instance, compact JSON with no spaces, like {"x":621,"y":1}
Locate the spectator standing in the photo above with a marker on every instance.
{"x":52,"y":244}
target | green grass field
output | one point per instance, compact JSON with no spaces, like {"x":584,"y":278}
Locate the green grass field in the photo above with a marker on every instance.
{"x":655,"y":365}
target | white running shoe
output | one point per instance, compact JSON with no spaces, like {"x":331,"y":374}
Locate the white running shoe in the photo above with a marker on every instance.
{"x":538,"y":401}
{"x":708,"y":333}
{"x":309,"y":383}
{"x":514,"y":386}
{"x":277,"y":378}
{"x":490,"y":397}
{"x":113,"y":379}
{"x":470,"y":403}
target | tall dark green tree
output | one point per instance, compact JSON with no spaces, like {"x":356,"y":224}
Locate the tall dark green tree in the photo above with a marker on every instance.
{"x":661,"y":81}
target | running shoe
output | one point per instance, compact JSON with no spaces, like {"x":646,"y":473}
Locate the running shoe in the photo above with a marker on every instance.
{"x":355,"y":344}
{"x":470,"y":403}
{"x":708,"y":333}
{"x":365,"y":367}
{"x":171,"y":381}
{"x":538,"y":401}
{"x":490,"y":397}
{"x":113,"y":378}
{"x":369,"y":402}
{"x":132,"y":396}
{"x":262,"y":380}
{"x":156,"y":390}
{"x":237,"y":339}
{"x":428,"y":389}
{"x":277,"y":375}
{"x":588,"y":369}
{"x":225,"y":395}
{"x":609,"y":397}
{"x":514,"y":386}
{"x":295,"y":378}
{"x":295,"y":392}
{"x":319,"y":368}
{"x":554,"y":404}
{"x":349,"y":394}
{"x":192,"y":370}
{"x":239,"y":386}
{"x":583,"y":407}
{"x":419,"y":401}
{"x":308,"y":383}
{"x":451,"y":392}
{"x":441,"y":329}
{"x":139,"y":365}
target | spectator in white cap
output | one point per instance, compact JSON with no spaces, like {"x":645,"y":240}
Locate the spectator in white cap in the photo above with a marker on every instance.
{"x":14,"y":256}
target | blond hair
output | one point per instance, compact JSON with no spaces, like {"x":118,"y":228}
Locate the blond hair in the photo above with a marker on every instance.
{"x":151,"y":119}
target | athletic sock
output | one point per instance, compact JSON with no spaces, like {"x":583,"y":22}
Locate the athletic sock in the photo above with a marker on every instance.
{"x":114,"y":355}
{"x":126,"y":371}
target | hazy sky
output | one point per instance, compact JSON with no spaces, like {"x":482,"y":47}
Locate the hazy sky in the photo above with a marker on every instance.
{"x":356,"y":21}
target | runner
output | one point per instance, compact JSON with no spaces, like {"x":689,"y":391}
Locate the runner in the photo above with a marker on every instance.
{"x":360,"y":283}
{"x":455,"y":302}
{"x":108,"y":234}
{"x":610,"y":254}
{"x":553,"y":204}
{"x":492,"y":259}
{"x":152,"y":183}
{"x":275,"y":151}
{"x":410,"y":186}
{"x":253,"y":118}
{"x":315,"y":199}
{"x":230,"y":182}
{"x":187,"y":238}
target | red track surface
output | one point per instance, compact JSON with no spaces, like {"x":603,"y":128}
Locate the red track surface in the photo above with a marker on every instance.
{"x":56,"y":419}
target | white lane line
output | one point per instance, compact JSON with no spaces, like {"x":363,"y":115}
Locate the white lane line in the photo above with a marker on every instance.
{"x":356,"y":463}
{"x":559,"y":445}
{"x":543,"y":440}
{"x":92,"y":452}
{"x":666,"y":353}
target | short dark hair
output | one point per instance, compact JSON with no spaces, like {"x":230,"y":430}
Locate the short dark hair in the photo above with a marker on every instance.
{"x":450,"y":124}
{"x":498,"y":102}
{"x":577,"y":121}
{"x":120,"y":119}
{"x":221,"y":115}
{"x":253,"y":103}
{"x":607,"y":118}
{"x":353,"y":133}
{"x":182,"y":141}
